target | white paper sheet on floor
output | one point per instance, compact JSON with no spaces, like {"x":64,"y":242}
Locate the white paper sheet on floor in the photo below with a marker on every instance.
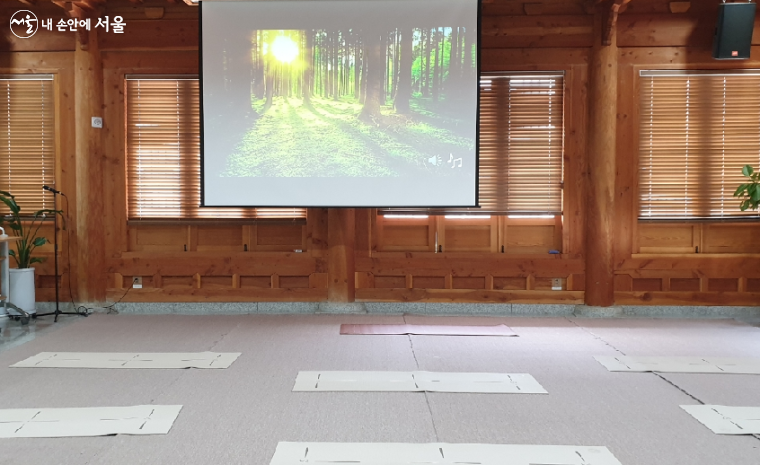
{"x":682,"y":364}
{"x":427,"y":330}
{"x":410,"y":381}
{"x":722,"y":419}
{"x":88,"y":421}
{"x":207,"y":360}
{"x":299,"y":453}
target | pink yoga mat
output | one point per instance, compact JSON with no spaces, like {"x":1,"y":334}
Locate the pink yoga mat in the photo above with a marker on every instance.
{"x":428,"y":330}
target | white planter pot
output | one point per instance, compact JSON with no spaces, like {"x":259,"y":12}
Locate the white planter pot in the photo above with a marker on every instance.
{"x":21,"y":290}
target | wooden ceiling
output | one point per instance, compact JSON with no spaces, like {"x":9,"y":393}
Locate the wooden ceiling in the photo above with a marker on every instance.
{"x":81,"y":8}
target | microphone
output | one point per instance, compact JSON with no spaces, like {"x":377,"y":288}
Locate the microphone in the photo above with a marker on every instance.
{"x":48,"y":188}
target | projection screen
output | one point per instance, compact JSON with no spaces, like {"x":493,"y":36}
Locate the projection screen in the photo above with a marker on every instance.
{"x":339,"y":103}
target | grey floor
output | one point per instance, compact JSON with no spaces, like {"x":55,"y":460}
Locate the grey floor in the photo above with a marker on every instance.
{"x":239,"y":414}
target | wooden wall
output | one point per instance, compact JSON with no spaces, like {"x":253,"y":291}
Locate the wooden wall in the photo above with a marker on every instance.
{"x":499,"y":259}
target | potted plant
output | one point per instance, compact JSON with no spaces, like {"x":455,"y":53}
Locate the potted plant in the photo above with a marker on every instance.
{"x":749,"y":193}
{"x":25,"y":228}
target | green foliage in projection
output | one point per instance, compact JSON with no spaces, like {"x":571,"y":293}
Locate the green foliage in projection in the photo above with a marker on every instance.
{"x":353,"y":103}
{"x":283,"y":139}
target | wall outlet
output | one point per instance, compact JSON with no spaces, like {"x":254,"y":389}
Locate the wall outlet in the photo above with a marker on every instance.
{"x":556,"y":284}
{"x":97,"y":122}
{"x":137,"y":282}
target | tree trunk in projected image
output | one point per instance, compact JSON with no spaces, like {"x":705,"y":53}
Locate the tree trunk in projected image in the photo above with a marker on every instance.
{"x":468,"y":68}
{"x":238,"y":76}
{"x":388,"y":66}
{"x":436,"y":66}
{"x":269,"y":85}
{"x":335,"y":67}
{"x":375,"y":75}
{"x":396,"y":62}
{"x":308,"y":71}
{"x":426,"y":74}
{"x":357,"y":70}
{"x":404,"y":91}
{"x":442,"y":72}
{"x":323,"y":55}
{"x":326,"y":62}
{"x":454,"y":60}
{"x":346,"y":66}
{"x":363,"y":95}
{"x":257,"y":52}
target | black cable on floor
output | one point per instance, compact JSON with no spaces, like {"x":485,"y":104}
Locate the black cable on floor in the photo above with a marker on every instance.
{"x":82,"y":308}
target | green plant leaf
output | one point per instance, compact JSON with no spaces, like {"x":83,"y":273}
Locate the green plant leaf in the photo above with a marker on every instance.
{"x":10,"y":203}
{"x":38,"y":241}
{"x":36,"y":260}
{"x":747,"y":170}
{"x":740,"y":190}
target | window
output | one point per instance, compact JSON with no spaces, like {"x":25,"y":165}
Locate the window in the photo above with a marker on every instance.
{"x":697,"y":130}
{"x":27,"y":140}
{"x":521,"y":143}
{"x":163,"y":153}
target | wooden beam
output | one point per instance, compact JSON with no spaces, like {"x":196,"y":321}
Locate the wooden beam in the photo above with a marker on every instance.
{"x":154,"y":12}
{"x":66,"y":5}
{"x":86,"y":5}
{"x":501,"y":265}
{"x":89,"y":228}
{"x":679,"y":7}
{"x":600,"y":186}
{"x":533,"y":9}
{"x":191,"y":294}
{"x":468,"y":295}
{"x":617,"y":7}
{"x":341,"y":232}
{"x":214,"y":264}
{"x":687,"y":298}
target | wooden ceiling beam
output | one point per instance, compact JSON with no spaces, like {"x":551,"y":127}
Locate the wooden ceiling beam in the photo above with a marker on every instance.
{"x":63,"y":4}
{"x":679,"y":7}
{"x":85,"y":5}
{"x":617,"y":7}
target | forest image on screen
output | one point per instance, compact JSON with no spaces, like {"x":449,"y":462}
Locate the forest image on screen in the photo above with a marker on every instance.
{"x":345,"y":104}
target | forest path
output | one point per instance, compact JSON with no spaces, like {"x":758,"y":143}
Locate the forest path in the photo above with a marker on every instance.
{"x":325,"y":139}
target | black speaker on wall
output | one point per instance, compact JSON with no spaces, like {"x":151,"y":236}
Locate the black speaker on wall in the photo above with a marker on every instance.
{"x":733,"y":32}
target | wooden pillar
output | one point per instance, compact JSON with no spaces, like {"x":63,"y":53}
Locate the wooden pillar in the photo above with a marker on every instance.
{"x":600,"y":188}
{"x":341,"y":226}
{"x":90,"y":234}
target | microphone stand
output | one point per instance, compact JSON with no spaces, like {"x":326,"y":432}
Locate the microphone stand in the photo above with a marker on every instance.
{"x":55,"y":248}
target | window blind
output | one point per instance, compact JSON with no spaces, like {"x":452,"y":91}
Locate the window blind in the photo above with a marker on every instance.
{"x":163,"y":153}
{"x":27,"y":140}
{"x":521,"y":143}
{"x":697,"y":129}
